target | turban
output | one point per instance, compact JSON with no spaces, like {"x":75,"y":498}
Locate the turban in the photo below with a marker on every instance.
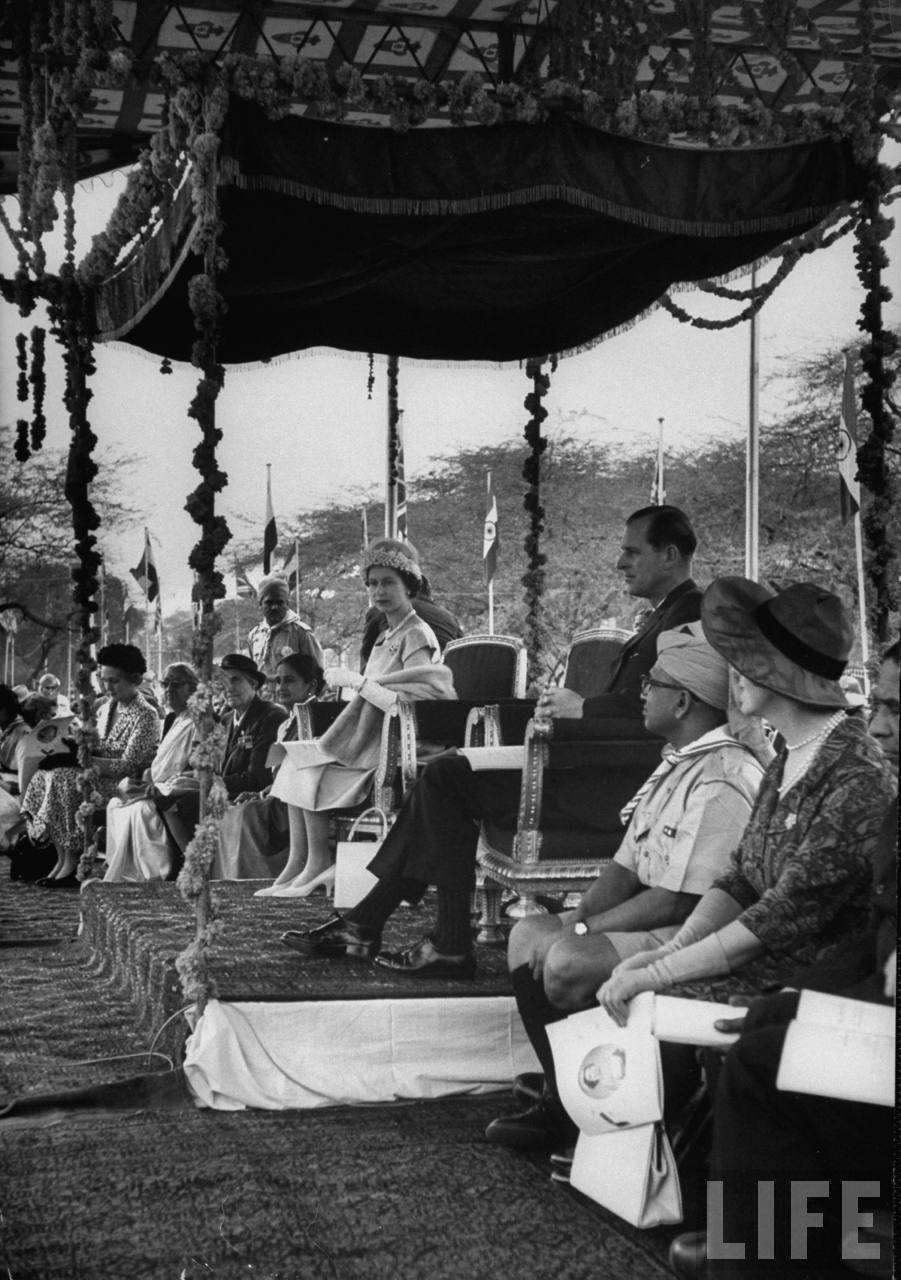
{"x":274,"y":585}
{"x":687,"y":658}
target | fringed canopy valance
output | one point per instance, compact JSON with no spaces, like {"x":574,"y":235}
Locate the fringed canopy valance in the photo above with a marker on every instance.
{"x":472,"y":243}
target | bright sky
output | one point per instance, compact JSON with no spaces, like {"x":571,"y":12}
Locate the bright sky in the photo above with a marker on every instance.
{"x":309,"y":416}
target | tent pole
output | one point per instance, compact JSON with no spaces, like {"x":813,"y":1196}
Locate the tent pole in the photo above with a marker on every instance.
{"x":391,"y":452}
{"x":862,"y":599}
{"x":752,"y":468}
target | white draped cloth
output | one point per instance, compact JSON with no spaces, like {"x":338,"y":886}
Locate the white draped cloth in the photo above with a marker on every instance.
{"x":137,"y":847}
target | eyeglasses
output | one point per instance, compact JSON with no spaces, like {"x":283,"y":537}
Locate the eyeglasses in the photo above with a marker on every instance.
{"x":647,"y":684}
{"x":173,"y":684}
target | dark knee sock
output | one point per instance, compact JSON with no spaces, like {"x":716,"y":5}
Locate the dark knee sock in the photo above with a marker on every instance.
{"x":381,"y":901}
{"x":536,"y":1012}
{"x":452,"y":935}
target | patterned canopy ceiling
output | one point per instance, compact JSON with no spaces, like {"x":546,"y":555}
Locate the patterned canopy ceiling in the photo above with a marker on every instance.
{"x":442,"y":40}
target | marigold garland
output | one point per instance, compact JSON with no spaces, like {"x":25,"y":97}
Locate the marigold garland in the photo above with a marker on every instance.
{"x":533,"y":579}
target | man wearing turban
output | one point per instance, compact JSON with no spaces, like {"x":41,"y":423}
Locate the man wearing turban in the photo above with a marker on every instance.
{"x":282,"y":631}
{"x":682,"y":827}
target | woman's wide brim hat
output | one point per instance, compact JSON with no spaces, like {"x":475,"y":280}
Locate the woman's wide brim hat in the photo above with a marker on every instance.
{"x":391,"y":553}
{"x":245,"y":666}
{"x":795,"y":642}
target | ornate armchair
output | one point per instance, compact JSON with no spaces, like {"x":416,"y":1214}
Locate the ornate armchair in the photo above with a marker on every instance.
{"x":589,"y":658}
{"x":487,"y":668}
{"x":543,"y":856}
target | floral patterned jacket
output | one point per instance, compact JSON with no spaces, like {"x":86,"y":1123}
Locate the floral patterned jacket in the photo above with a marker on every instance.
{"x":803,"y":869}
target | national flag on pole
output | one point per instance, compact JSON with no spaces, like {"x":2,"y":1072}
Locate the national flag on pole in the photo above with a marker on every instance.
{"x":849,"y":485}
{"x":131,"y":620}
{"x":658,"y":488}
{"x":104,"y":608}
{"x":364,"y":530}
{"x":270,"y":533}
{"x":401,"y":504}
{"x":291,"y":568}
{"x":145,"y":573}
{"x":243,"y":586}
{"x":490,"y":540}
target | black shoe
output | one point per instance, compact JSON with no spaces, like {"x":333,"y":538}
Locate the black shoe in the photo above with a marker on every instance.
{"x":542,"y":1127}
{"x":423,"y":961}
{"x":528,"y":1088}
{"x":334,"y":939}
{"x":688,"y":1255}
{"x":70,"y":881}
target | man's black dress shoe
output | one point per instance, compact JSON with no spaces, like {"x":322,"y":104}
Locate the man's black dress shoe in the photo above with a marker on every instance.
{"x":542,"y":1126}
{"x":336,"y":938}
{"x":528,"y":1088}
{"x":688,"y":1255}
{"x":423,"y":961}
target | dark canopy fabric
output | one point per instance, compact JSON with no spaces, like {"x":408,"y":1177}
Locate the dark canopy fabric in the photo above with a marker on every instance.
{"x":491,"y":243}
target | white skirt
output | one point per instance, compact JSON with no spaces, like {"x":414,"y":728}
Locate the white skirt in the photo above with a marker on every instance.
{"x":310,"y":779}
{"x":137,"y":847}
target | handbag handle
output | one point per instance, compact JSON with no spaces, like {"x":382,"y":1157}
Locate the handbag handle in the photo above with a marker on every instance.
{"x":379,"y":813}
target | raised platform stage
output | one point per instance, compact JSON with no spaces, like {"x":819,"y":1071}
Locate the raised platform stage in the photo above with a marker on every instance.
{"x":292,"y":1032}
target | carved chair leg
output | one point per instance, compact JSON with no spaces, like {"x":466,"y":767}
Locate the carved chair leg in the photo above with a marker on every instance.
{"x":525,"y":905}
{"x":489,"y":897}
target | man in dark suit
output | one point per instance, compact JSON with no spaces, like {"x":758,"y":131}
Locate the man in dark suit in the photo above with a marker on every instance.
{"x":435,"y":836}
{"x":655,"y":561}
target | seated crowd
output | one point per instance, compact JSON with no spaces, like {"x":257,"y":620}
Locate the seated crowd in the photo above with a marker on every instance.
{"x":759,"y":855}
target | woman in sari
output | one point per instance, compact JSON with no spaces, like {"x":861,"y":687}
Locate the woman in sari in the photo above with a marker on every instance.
{"x":336,"y":771}
{"x":138,"y":846}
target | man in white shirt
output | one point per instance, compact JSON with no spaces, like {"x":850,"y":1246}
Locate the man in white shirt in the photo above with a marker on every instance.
{"x":682,"y":827}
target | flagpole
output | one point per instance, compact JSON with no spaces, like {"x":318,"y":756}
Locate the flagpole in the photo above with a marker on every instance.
{"x":861,"y":598}
{"x":489,"y":555}
{"x":391,"y":452}
{"x":297,"y":575}
{"x":69,"y":662}
{"x":752,"y":461}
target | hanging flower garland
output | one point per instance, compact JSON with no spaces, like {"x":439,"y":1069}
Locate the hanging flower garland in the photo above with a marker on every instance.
{"x":533,"y":579}
{"x":195,"y":120}
{"x":871,"y":233}
{"x":38,"y":381}
{"x":61,"y":47}
{"x":23,"y":453}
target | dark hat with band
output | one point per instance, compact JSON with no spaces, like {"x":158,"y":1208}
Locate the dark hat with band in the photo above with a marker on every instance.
{"x":795,"y":642}
{"x":245,"y":666}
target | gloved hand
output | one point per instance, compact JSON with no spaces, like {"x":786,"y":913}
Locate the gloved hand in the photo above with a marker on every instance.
{"x":343,"y":678}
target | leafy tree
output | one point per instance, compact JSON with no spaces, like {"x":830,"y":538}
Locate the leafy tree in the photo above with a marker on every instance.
{"x":36,"y":552}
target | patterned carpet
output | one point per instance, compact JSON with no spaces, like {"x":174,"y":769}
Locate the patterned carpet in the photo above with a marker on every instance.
{"x":148,"y":1186}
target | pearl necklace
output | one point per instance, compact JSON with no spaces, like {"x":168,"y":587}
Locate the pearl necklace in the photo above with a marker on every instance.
{"x":790,"y":778}
{"x":822,"y":732}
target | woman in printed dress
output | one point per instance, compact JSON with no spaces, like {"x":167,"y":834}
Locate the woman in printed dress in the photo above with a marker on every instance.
{"x":128,"y":730}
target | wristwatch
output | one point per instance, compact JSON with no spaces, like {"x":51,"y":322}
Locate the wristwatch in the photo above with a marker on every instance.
{"x":580,"y":928}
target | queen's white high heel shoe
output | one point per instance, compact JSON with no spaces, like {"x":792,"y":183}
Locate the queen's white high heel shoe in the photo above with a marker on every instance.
{"x":324,"y":881}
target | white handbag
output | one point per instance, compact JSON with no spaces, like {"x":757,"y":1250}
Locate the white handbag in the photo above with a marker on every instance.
{"x":631,"y":1172}
{"x":352,"y":857}
{"x":610,"y":1082}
